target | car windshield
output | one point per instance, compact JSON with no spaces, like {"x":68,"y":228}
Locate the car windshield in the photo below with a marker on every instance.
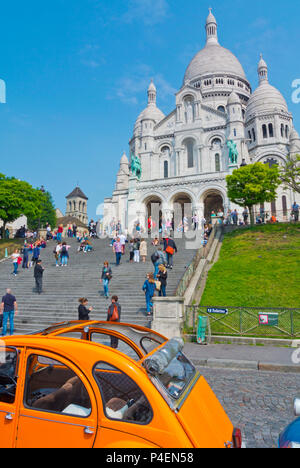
{"x":170,"y":369}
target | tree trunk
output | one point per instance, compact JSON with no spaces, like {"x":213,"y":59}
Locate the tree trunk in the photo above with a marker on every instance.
{"x":250,"y":208}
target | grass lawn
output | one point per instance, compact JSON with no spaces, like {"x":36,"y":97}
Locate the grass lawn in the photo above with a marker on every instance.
{"x":10,"y":245}
{"x":258,"y":267}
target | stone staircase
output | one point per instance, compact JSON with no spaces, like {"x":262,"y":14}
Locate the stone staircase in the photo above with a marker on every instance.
{"x":64,"y":285}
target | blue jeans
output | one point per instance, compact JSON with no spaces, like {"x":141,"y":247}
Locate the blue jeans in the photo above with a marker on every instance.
{"x":8,"y":316}
{"x":148,"y":303}
{"x":58,"y":237}
{"x":118,"y":258}
{"x":105,"y":287}
{"x":15,"y":268}
{"x":162,"y":291}
{"x":169,"y":259}
{"x":64,"y":260}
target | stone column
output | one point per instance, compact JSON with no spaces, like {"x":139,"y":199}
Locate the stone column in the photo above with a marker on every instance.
{"x":168,"y":316}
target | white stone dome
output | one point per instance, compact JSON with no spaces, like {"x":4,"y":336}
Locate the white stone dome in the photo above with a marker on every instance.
{"x":214,"y":59}
{"x":265,"y":99}
{"x":151,"y":113}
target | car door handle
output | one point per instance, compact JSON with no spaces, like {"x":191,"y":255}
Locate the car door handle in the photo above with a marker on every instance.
{"x":9,"y":416}
{"x":88,"y":430}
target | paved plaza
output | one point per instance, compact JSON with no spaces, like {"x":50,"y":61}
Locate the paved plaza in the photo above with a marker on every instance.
{"x":259,"y":403}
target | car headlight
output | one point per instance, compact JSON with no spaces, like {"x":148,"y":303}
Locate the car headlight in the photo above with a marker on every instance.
{"x":297,"y":406}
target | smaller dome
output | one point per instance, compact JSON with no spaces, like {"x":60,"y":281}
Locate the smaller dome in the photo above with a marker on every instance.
{"x":265,"y":98}
{"x":151,"y":113}
{"x":233,"y":99}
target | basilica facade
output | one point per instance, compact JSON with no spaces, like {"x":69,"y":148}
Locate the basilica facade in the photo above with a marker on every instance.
{"x":184,"y":156}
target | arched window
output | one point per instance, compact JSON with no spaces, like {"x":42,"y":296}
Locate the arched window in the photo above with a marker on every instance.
{"x":217,"y":162}
{"x":271,"y":131}
{"x":264,"y":131}
{"x":282,"y":130}
{"x":253,"y":134}
{"x":273,"y":207}
{"x":166,"y":169}
{"x":70,"y":206}
{"x":74,"y":205}
{"x":79,"y":206}
{"x":234,"y":132}
{"x":287,"y":131}
{"x":190,"y":153}
{"x":216,"y":143}
{"x":250,"y":136}
{"x":221,"y":109}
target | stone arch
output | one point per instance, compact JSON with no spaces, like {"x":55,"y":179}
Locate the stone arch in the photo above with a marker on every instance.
{"x":182,"y":202}
{"x":153,"y":211}
{"x":213,"y":200}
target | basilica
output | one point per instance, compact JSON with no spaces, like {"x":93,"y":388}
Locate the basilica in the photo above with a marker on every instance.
{"x":184,"y":157}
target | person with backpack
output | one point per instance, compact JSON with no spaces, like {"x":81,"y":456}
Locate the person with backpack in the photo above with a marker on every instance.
{"x":169,"y":248}
{"x":64,"y":254}
{"x":157,"y":259}
{"x":105,"y":278}
{"x":149,"y":288}
{"x":114,"y":315}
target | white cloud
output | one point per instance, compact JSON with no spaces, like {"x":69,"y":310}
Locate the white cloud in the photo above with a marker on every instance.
{"x":132,"y":88}
{"x":150,"y":12}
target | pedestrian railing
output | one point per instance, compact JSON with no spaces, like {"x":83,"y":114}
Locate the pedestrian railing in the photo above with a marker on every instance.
{"x":191,"y":268}
{"x":246,"y":321}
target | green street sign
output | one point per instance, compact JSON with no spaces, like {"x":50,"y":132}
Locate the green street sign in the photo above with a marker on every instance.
{"x":268,"y":319}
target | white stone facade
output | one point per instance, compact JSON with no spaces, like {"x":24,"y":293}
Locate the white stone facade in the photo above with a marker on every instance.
{"x":184,"y":155}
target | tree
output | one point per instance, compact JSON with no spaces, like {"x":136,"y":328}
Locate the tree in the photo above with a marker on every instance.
{"x":290,"y":173}
{"x":47,"y":212}
{"x":17,"y":198}
{"x":253,"y":184}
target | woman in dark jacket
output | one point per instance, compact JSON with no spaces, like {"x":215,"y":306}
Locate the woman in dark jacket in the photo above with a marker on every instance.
{"x":83,"y":311}
{"x":162,"y":276}
{"x":105,"y":278}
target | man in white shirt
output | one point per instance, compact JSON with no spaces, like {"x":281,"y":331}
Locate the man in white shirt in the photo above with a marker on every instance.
{"x":123,"y":239}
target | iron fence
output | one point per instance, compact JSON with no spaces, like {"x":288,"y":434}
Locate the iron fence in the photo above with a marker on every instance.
{"x":246,"y":321}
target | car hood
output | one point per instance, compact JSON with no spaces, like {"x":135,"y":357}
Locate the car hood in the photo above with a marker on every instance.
{"x":203,"y":417}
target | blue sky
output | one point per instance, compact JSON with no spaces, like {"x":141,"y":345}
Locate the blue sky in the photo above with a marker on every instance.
{"x":77,"y":73}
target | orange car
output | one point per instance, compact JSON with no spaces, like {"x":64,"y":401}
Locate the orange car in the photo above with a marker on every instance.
{"x":104,"y":384}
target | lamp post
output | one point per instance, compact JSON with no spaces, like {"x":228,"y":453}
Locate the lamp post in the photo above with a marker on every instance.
{"x":42,"y":189}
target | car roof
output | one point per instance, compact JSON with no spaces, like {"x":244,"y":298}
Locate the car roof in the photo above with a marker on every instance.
{"x":82,"y":350}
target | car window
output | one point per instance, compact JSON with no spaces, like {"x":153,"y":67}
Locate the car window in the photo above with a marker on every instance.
{"x":122,"y":398}
{"x":52,"y":386}
{"x":113,"y":342}
{"x":8,"y":372}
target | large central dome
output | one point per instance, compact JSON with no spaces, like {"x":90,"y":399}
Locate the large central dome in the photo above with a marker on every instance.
{"x":213,"y":59}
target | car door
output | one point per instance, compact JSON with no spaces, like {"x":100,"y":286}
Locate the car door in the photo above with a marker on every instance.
{"x":58,"y":407}
{"x":9,"y":391}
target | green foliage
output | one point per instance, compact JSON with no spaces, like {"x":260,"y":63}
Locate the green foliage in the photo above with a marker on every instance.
{"x":257,"y":268}
{"x":290,"y":173}
{"x":18,"y":198}
{"x":253,"y":184}
{"x":47,"y":212}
